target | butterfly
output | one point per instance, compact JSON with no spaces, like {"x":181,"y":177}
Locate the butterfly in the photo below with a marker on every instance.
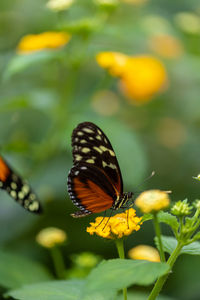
{"x":95,"y":181}
{"x":17,"y":188}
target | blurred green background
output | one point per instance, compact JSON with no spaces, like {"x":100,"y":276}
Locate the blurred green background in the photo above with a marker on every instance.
{"x":46,"y":94}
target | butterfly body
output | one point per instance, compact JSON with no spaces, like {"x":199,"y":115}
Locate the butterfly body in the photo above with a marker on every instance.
{"x":94,"y":182}
{"x":17,"y":188}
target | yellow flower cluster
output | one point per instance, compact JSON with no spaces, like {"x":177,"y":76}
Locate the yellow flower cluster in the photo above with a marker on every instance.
{"x":46,"y":40}
{"x":120,"y":225}
{"x":144,"y":252}
{"x":152,"y":201}
{"x":50,"y":237}
{"x":140,"y":76}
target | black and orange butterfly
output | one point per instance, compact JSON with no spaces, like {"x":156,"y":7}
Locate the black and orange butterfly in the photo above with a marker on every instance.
{"x":17,"y":188}
{"x":94,"y":182}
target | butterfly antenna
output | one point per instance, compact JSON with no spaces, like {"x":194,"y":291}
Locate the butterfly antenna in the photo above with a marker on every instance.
{"x":149,"y":177}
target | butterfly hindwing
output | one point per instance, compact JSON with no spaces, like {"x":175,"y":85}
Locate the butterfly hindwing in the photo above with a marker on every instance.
{"x":17,"y":188}
{"x":90,"y":145}
{"x":90,"y":189}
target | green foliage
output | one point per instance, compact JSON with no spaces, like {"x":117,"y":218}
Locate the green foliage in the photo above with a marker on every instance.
{"x":167,"y":218}
{"x":170,"y":243}
{"x":102,"y":283}
{"x":16,"y":270}
{"x":52,"y":290}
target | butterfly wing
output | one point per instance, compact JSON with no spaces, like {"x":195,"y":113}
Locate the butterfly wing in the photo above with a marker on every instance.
{"x":17,"y":188}
{"x":90,"y":189}
{"x":91,"y":146}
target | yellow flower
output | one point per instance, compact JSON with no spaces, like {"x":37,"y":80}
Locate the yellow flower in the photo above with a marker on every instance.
{"x":50,"y":237}
{"x":120,"y":225}
{"x":59,"y":5}
{"x":113,"y":61}
{"x":143,"y":77}
{"x":46,"y":40}
{"x":166,"y":45}
{"x":152,"y":201}
{"x":144,"y":252}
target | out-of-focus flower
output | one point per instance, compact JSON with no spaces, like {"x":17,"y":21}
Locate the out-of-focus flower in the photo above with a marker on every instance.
{"x":188,"y":22}
{"x":43,"y":41}
{"x":181,"y":208}
{"x":144,"y":252}
{"x":197,"y":177}
{"x":85,"y":260}
{"x":143,"y":77}
{"x":105,"y":103}
{"x":155,"y":24}
{"x":171,"y":133}
{"x":115,"y":62}
{"x":166,"y":45}
{"x":51,"y":237}
{"x":136,"y":2}
{"x":106,"y":2}
{"x":59,"y":5}
{"x":152,"y":201}
{"x":116,"y":227}
{"x":196,"y":204}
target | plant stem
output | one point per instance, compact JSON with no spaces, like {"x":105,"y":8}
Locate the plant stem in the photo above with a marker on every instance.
{"x":160,"y":282}
{"x":120,"y":249}
{"x":58,"y":262}
{"x":158,"y":234}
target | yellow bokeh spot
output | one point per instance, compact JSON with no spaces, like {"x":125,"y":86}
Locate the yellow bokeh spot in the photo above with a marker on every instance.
{"x":115,"y":227}
{"x":105,"y":103}
{"x":113,"y":61}
{"x":152,"y":201}
{"x":50,"y":237}
{"x":43,"y":41}
{"x":143,"y":77}
{"x":144,"y":252}
{"x":166,"y":46}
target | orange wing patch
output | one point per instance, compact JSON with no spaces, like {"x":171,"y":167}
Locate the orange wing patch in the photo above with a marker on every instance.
{"x":4,"y":170}
{"x":93,"y":198}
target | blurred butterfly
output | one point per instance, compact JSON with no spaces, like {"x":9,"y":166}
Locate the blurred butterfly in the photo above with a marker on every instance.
{"x":17,"y":188}
{"x":94,"y":182}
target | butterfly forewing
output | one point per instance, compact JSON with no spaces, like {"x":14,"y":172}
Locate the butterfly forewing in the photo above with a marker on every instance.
{"x":90,"y":189}
{"x":91,"y":146}
{"x":18,"y":188}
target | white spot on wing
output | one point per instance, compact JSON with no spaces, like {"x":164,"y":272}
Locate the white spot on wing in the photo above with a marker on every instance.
{"x":90,"y":161}
{"x":80,"y":133}
{"x":85,"y":150}
{"x":88,"y":130}
{"x":13,"y":194}
{"x":98,"y":149}
{"x":13,"y":185}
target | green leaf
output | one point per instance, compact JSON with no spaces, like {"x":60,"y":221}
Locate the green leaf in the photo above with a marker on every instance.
{"x":192,"y":249}
{"x":101,"y":284}
{"x":16,"y":270}
{"x":52,"y":290}
{"x":147,"y":217}
{"x":141,"y":296}
{"x":21,"y":62}
{"x":170,"y":243}
{"x":168,"y":219}
{"x":120,"y":273}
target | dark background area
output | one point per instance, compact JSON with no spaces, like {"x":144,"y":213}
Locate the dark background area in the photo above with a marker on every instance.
{"x":43,"y":99}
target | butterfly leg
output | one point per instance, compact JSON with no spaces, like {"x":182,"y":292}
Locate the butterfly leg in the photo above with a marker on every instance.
{"x":101,"y":219}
